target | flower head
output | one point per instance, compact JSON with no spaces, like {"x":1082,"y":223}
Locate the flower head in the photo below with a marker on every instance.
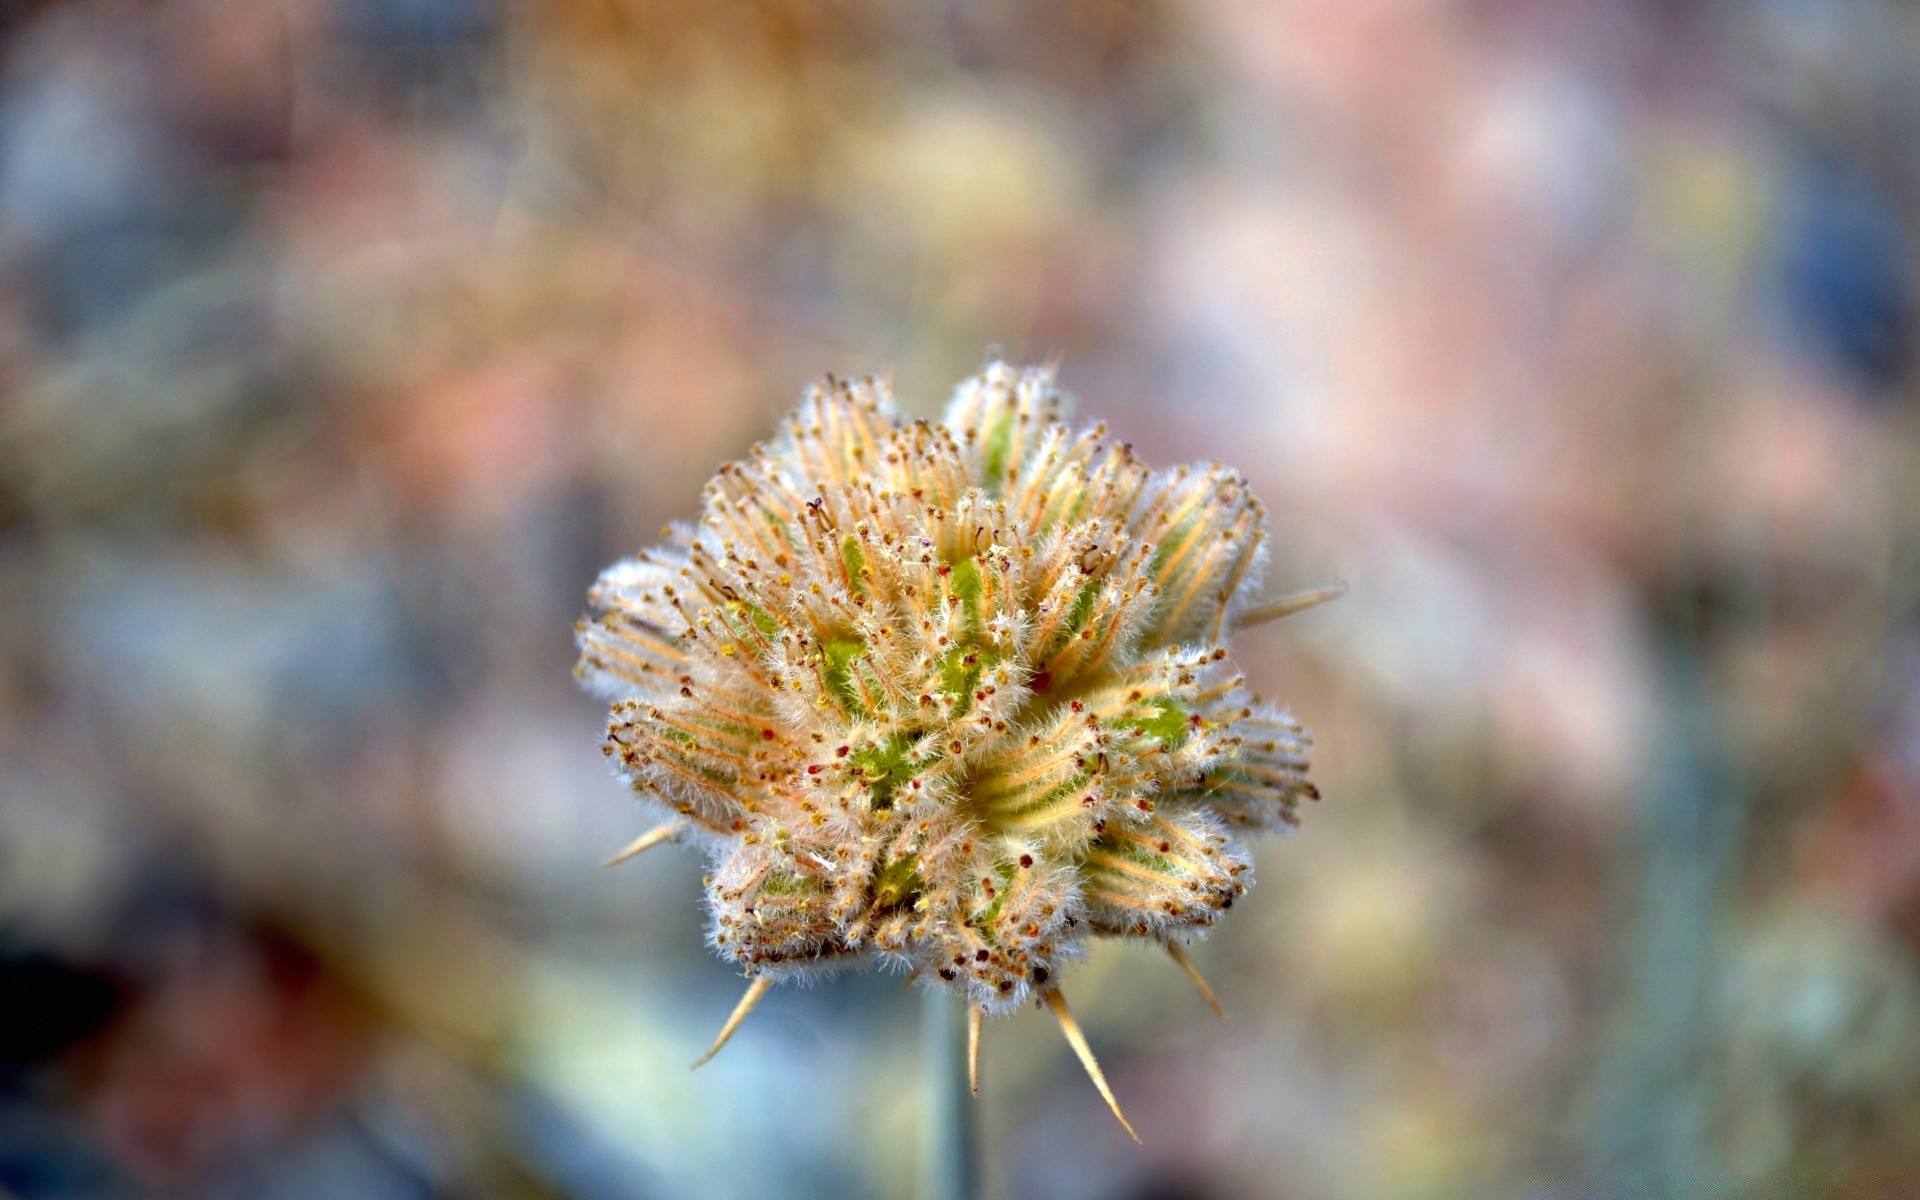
{"x":954,"y":696}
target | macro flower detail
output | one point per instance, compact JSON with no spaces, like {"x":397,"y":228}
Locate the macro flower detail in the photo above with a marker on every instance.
{"x":953,"y":696}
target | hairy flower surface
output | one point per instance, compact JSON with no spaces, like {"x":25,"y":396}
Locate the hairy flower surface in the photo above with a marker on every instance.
{"x":951,"y":695}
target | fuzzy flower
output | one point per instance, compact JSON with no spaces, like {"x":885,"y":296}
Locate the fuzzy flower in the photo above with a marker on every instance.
{"x":949,"y":696}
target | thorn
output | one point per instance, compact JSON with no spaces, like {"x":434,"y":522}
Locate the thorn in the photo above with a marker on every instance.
{"x":755,"y":990}
{"x":648,"y":840}
{"x":1078,"y":1040}
{"x":973,"y":1048}
{"x":1200,"y":981}
{"x":1286,"y":606}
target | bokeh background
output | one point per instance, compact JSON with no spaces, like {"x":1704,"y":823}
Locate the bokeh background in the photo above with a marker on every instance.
{"x":341,"y":341}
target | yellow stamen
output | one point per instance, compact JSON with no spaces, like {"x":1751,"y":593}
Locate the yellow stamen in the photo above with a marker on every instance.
{"x":1078,"y":1040}
{"x":755,"y":991}
{"x":648,"y":840}
{"x":1286,"y":606}
{"x":1123,"y":899}
{"x":1132,"y":870}
{"x":1179,"y":954}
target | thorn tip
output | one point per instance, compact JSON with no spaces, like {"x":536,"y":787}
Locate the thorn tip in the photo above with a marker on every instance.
{"x":1286,"y":606}
{"x":648,"y":840}
{"x":973,"y":1048}
{"x":1180,"y":956}
{"x":1078,"y":1040}
{"x":755,"y":991}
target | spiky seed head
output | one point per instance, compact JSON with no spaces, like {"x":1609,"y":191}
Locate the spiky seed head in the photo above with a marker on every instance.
{"x":951,"y":695}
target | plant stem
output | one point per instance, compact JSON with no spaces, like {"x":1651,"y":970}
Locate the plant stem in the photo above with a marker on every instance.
{"x":951,"y":1160}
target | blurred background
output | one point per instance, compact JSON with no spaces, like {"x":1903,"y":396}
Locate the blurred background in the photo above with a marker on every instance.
{"x":342,"y":341}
